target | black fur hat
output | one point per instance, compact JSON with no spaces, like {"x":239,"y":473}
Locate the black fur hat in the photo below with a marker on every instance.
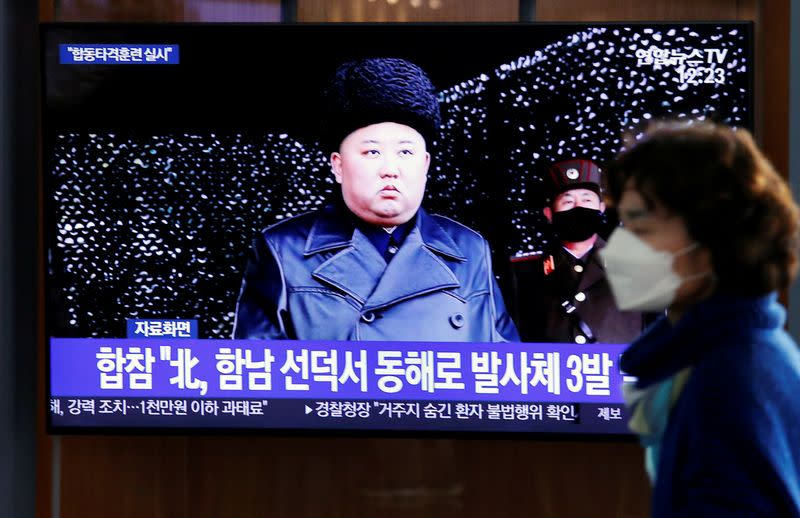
{"x":375,"y":90}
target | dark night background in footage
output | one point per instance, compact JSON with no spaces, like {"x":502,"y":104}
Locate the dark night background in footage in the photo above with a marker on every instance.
{"x":157,"y":178}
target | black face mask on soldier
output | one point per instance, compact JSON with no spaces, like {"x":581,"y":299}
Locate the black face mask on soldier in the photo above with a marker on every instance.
{"x":577,"y":224}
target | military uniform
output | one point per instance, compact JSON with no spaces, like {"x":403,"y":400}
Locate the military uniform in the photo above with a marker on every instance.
{"x":558,"y":297}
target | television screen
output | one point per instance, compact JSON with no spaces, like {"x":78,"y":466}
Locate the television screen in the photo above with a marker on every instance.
{"x":351,"y":227}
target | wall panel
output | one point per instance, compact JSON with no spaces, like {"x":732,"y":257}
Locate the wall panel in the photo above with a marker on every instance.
{"x":407,"y":10}
{"x":632,"y":10}
{"x":160,"y":10}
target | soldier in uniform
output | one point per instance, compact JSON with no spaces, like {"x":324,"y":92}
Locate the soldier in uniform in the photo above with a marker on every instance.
{"x":561,"y":295}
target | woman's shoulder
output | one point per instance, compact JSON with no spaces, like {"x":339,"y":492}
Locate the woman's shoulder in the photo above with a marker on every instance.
{"x":755,"y":379}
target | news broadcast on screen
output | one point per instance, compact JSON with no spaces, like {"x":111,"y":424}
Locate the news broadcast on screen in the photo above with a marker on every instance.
{"x":354,"y":228}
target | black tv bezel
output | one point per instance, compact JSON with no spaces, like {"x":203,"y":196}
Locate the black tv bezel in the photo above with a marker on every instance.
{"x":45,"y":219}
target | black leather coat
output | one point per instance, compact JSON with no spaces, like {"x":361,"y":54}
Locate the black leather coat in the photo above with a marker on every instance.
{"x":318,"y":277}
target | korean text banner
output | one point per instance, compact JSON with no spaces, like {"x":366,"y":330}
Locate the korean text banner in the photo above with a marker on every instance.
{"x":352,"y":370}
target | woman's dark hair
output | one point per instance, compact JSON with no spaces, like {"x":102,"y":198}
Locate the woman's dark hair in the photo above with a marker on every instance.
{"x":728,"y":194}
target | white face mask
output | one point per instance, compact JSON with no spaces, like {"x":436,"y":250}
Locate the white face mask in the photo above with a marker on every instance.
{"x":641,"y":277}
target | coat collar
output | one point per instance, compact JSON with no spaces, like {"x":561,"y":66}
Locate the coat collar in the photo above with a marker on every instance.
{"x":664,"y":349}
{"x":359,"y":270}
{"x":335,"y":228}
{"x":593,"y":269}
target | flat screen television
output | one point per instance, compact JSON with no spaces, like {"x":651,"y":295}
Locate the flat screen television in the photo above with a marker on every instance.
{"x":169,"y":149}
